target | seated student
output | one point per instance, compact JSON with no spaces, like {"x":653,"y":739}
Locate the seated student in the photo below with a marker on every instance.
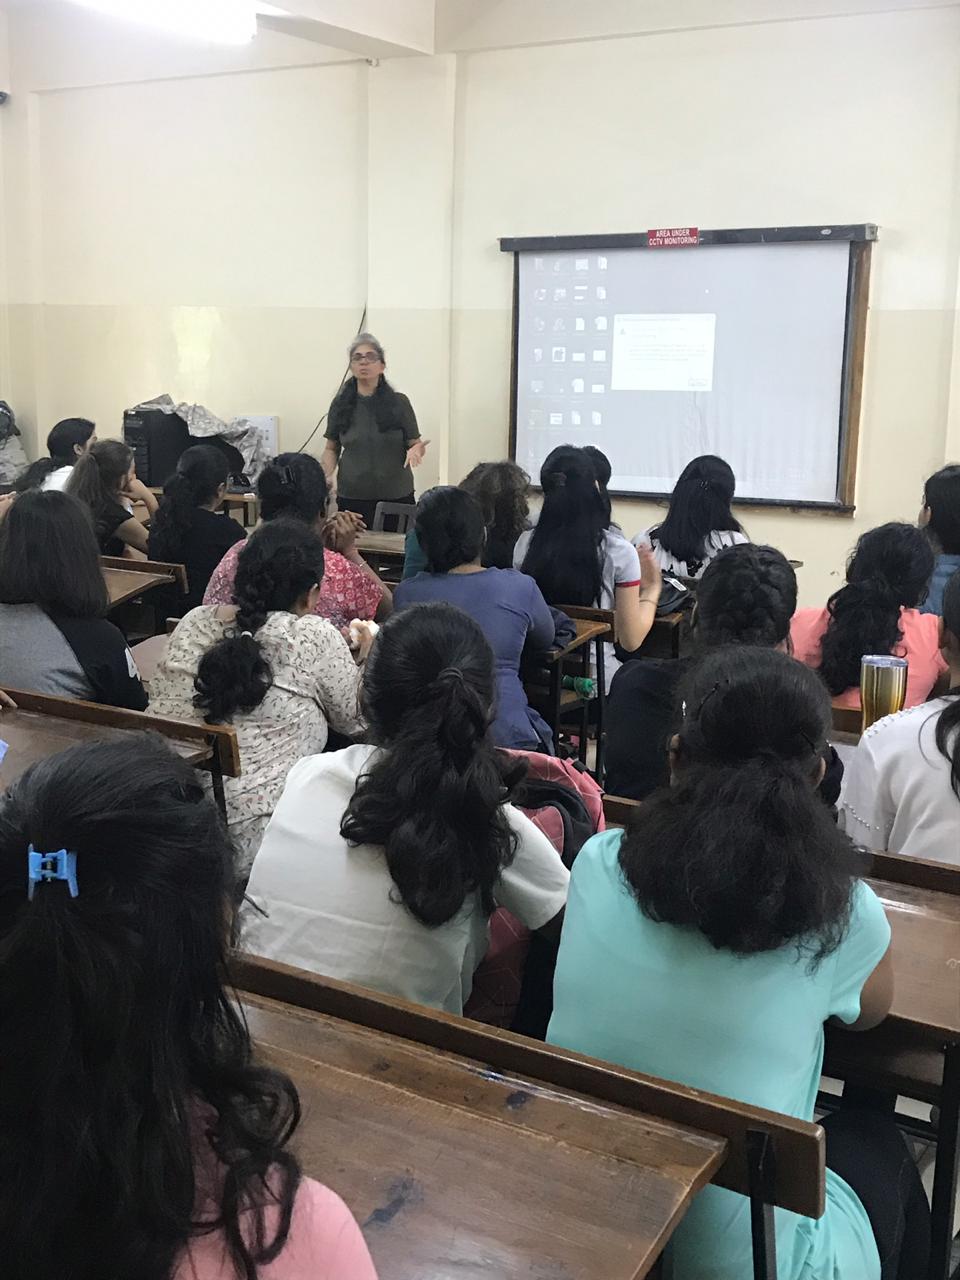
{"x":105,"y":480}
{"x":501,"y":488}
{"x":187,"y":528}
{"x":294,"y":487}
{"x":901,"y":790}
{"x":875,"y":613}
{"x":382,"y":864}
{"x":67,"y":441}
{"x":699,"y":522}
{"x":711,"y":942}
{"x":269,"y":667}
{"x":577,"y":557}
{"x":507,"y":605}
{"x":54,"y":634}
{"x":140,"y":1132}
{"x":747,"y":596}
{"x":940,"y":516}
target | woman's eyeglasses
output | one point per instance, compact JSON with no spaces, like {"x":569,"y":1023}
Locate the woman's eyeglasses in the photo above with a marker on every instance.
{"x":369,"y":357}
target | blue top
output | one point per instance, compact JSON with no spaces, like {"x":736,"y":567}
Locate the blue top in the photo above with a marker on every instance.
{"x":662,"y":1000}
{"x":944,"y":569}
{"x":510,"y":610}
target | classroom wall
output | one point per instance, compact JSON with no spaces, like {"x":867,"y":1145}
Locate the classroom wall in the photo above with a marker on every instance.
{"x":210,"y":223}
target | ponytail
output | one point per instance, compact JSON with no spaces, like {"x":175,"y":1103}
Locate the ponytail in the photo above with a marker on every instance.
{"x":276,"y":568}
{"x":200,"y":472}
{"x":433,"y":796}
{"x":98,"y":473}
{"x":948,"y":723}
{"x":889,"y":570}
{"x":33,"y":476}
{"x":740,"y":847}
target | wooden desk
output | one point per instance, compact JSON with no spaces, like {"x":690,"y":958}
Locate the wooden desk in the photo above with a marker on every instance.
{"x":553,"y":701}
{"x":454,"y":1169}
{"x":32,"y":736}
{"x":127,"y":584}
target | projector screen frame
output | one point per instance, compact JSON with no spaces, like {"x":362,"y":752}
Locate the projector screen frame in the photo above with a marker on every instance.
{"x":860,"y":237}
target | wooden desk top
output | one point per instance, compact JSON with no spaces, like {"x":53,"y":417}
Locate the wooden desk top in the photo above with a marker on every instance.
{"x":229,"y":499}
{"x":926,"y":957}
{"x":31,"y":736}
{"x":586,"y":631}
{"x":381,"y":544}
{"x":125,"y":584}
{"x":454,"y":1169}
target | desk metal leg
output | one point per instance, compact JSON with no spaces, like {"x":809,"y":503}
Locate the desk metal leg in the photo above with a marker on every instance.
{"x":216,"y":774}
{"x":760,"y":1175}
{"x":601,"y":711}
{"x":556,"y":688}
{"x":945,"y":1176}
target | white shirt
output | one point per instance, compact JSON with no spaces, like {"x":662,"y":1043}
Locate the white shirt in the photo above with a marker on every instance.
{"x":714,"y":543}
{"x":333,"y":907}
{"x":620,"y":568}
{"x":58,"y":479}
{"x":896,"y":792}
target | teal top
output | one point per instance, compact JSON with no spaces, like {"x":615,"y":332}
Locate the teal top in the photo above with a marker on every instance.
{"x":662,"y":1000}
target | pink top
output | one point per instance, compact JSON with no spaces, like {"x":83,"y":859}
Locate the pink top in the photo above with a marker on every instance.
{"x":920,"y":646}
{"x":346,"y":592}
{"x":324,"y":1244}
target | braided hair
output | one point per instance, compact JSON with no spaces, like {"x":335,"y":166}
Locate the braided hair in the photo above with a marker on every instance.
{"x":747,"y":595}
{"x":276,"y":568}
{"x":200,"y":472}
{"x":433,"y":797}
{"x":889,"y":570}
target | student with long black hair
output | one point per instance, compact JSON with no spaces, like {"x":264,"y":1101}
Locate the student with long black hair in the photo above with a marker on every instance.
{"x":55,"y":636}
{"x":711,"y":942}
{"x":699,"y":521}
{"x":940,"y":517}
{"x":68,"y":440}
{"x":577,"y":557}
{"x":189,"y":528}
{"x":747,"y":596}
{"x":139,"y":1137}
{"x":382,"y":863}
{"x":901,"y":789}
{"x":876,"y":612}
{"x":105,"y":480}
{"x":266,"y":665}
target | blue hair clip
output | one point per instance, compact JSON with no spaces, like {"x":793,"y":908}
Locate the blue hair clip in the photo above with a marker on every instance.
{"x":51,"y":866}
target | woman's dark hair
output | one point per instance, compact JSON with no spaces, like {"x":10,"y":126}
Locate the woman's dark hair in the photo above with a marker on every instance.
{"x":741,"y":847}
{"x":60,"y":446}
{"x":501,"y":488}
{"x":292,"y":485}
{"x":890,"y":569}
{"x":49,"y":556}
{"x":450,"y":528}
{"x":385,"y":403}
{"x":941,"y":495}
{"x":201,"y":471}
{"x":603,"y":471}
{"x":948,"y":722}
{"x":566,"y":549}
{"x":747,"y":595}
{"x":98,"y":475}
{"x":433,"y":797}
{"x":278,"y":565}
{"x":699,"y":505}
{"x":128,"y":1094}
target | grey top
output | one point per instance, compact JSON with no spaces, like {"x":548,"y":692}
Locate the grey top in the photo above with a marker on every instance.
{"x":372,"y":462}
{"x":71,"y":658}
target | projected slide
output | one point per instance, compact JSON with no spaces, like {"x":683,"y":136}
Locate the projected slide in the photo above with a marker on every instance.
{"x":656,"y":356}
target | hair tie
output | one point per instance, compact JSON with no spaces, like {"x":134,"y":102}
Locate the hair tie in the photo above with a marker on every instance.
{"x":246,"y":633}
{"x":448,"y":674}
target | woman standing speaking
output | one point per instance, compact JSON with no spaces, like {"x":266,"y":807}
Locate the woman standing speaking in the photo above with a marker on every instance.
{"x":372,"y":435}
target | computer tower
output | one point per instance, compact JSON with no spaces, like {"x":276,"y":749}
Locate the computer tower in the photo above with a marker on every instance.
{"x":157,"y":440}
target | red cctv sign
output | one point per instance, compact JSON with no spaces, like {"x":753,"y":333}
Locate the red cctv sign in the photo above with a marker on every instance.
{"x":672,"y":237}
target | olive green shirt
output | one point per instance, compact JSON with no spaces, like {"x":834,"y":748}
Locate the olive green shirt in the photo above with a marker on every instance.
{"x":372,"y":463}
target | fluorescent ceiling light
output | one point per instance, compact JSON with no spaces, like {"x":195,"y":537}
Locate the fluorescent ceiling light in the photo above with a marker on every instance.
{"x":217,"y":21}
